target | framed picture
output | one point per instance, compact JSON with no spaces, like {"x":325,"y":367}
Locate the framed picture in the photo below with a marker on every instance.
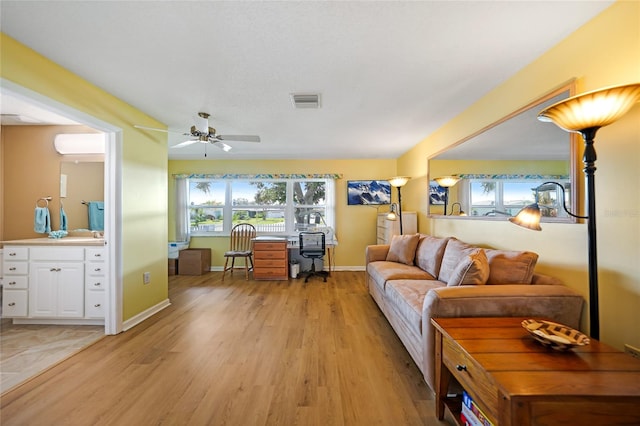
{"x":368,"y":192}
{"x":436,"y":193}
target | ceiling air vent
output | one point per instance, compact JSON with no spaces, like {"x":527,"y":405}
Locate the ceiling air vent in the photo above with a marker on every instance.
{"x":306,"y":100}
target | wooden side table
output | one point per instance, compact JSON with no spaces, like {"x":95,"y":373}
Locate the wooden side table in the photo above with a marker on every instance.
{"x":517,"y":381}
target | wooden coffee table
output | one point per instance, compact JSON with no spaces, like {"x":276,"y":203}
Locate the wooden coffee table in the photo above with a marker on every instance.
{"x":517,"y":381}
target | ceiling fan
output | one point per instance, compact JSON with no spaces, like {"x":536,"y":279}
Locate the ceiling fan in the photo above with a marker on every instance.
{"x":202,"y":133}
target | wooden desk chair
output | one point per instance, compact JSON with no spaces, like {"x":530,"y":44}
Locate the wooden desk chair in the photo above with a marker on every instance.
{"x":241,"y":245}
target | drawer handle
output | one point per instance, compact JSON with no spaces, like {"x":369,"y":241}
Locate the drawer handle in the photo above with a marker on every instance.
{"x":97,"y":284}
{"x":461,"y":367}
{"x":13,"y":254}
{"x":97,"y":270}
{"x":12,"y":304}
{"x":96,"y":305}
{"x":55,"y":269}
{"x":12,"y":283}
{"x":97,"y":255}
{"x":12,"y":269}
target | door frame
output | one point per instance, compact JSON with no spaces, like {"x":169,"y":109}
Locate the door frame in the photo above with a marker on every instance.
{"x":112,"y":193}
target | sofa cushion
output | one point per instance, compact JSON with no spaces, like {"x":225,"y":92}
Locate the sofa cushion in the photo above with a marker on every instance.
{"x":383,"y":271}
{"x":406,"y":298}
{"x":511,"y":267}
{"x":403,"y":248}
{"x":429,"y":253}
{"x":473,"y":270}
{"x":454,"y":253}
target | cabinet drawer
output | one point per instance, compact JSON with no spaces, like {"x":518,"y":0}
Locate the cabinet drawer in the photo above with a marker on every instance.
{"x":14,"y":303}
{"x":95,"y":254}
{"x":269,"y":272}
{"x":270,"y":254}
{"x":95,"y":283}
{"x":94,"y":304}
{"x":15,"y":268}
{"x":18,"y":282}
{"x":261,"y":246}
{"x":16,"y":253}
{"x":57,"y":253}
{"x":270,"y":263}
{"x":471,"y":376}
{"x":95,"y":269}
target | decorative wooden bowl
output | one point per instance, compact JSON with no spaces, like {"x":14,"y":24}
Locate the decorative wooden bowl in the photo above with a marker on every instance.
{"x":555,"y":336}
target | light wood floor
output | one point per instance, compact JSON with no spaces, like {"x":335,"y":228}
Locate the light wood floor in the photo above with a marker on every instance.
{"x":238,"y":353}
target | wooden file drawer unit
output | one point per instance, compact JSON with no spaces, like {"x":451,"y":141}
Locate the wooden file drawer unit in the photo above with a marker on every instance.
{"x":516,"y":381}
{"x":270,"y":260}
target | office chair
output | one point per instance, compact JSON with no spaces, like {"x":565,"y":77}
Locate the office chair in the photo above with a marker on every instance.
{"x":241,"y":245}
{"x":312,"y":246}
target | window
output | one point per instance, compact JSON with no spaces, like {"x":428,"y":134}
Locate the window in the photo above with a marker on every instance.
{"x":273,"y":206}
{"x":500,"y":197}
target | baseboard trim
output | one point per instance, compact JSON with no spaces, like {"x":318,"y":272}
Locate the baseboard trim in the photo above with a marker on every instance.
{"x":335,"y":268}
{"x":137,"y":319}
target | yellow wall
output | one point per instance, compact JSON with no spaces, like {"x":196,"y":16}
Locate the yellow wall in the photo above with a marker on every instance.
{"x":355,"y":225}
{"x":604,"y":52}
{"x":144,"y":170}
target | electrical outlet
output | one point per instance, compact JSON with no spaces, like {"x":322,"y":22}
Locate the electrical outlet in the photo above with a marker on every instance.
{"x":635,"y":352}
{"x":146,"y":277}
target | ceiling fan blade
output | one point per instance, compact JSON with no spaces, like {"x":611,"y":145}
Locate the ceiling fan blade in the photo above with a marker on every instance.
{"x":185,"y":143}
{"x":239,"y":138}
{"x":223,"y":146}
{"x":160,"y":130}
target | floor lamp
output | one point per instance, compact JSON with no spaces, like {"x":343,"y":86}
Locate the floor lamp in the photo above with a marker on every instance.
{"x":399,"y":182}
{"x":585,"y":114}
{"x":446,"y":182}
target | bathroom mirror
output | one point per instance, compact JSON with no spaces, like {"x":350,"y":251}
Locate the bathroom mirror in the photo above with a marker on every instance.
{"x":501,"y":166}
{"x":80,"y":181}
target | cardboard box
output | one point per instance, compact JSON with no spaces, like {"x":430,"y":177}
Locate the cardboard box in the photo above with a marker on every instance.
{"x":194,"y":261}
{"x":173,"y":266}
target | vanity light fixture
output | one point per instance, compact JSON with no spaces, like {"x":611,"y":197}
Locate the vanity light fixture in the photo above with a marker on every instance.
{"x":447,"y":182}
{"x":585,"y":114}
{"x":399,"y":182}
{"x":79,"y":143}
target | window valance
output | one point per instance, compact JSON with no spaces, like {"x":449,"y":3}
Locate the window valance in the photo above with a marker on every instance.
{"x":260,"y":176}
{"x":513,"y":177}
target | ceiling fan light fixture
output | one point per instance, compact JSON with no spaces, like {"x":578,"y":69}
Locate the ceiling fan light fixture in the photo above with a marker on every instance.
{"x":305,"y":100}
{"x":223,"y":146}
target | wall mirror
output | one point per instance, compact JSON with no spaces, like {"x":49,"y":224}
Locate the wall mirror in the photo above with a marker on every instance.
{"x":503,"y":165}
{"x":80,"y":181}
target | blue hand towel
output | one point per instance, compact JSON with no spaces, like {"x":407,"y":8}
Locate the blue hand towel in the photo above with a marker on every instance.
{"x":42,"y":220}
{"x":96,"y":215}
{"x":63,"y":220}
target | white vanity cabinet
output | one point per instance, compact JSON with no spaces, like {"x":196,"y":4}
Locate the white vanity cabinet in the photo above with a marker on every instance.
{"x":54,"y":283}
{"x":15,"y":270}
{"x":56,"y":286}
{"x":94,"y":282}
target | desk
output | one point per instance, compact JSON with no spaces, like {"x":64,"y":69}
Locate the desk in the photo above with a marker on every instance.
{"x":517,"y":381}
{"x":293,"y":243}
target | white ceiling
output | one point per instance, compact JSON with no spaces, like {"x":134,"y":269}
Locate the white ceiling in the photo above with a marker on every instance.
{"x":389,"y":72}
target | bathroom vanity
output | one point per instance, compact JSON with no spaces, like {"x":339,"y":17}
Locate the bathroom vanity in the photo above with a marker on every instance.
{"x":54,"y":281}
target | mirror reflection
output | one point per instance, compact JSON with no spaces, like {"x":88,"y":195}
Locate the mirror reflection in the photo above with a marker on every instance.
{"x":502,"y":167}
{"x":80,"y":182}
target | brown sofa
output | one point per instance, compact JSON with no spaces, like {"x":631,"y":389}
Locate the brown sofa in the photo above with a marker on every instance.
{"x":419,"y":277}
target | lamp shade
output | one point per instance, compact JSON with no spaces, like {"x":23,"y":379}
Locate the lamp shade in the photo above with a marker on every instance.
{"x":592,"y":109}
{"x":399,"y":181}
{"x":447,"y":181}
{"x":528,"y":217}
{"x":392,"y":212}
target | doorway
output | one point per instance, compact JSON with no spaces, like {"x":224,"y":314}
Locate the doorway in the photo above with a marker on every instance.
{"x":112,"y":225}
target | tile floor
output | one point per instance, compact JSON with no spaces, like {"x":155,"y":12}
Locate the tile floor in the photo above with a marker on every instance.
{"x":26,"y":350}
